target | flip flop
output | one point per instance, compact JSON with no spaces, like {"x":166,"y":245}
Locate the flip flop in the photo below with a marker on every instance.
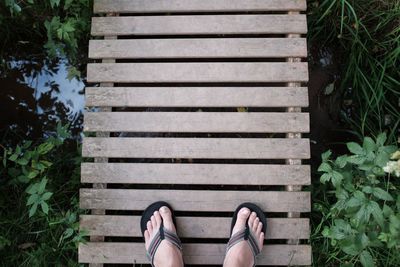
{"x":246,"y":234}
{"x":162,"y":233}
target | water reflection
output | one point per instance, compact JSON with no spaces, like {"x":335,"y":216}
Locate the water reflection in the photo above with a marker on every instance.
{"x":35,"y":95}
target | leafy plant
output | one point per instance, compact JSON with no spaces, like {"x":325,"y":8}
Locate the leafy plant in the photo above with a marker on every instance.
{"x":40,"y":181}
{"x":364,"y":221}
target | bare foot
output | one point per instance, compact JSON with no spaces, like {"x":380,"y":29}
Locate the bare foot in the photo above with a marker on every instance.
{"x":240,"y":255}
{"x":167,"y":254}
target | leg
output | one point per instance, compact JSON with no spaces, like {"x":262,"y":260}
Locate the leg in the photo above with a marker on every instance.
{"x":240,"y":255}
{"x":167,"y":255}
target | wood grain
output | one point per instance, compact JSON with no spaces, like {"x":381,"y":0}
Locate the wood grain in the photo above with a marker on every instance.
{"x":199,"y":48}
{"x":193,"y":200}
{"x":208,"y":254}
{"x":209,"y":148}
{"x":192,"y":227}
{"x":224,"y":174}
{"x":197,"y":72}
{"x":199,"y":25}
{"x":196,"y":96}
{"x":197,"y":122}
{"x":176,"y":6}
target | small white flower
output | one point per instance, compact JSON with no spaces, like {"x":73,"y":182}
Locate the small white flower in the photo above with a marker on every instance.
{"x":393,"y":167}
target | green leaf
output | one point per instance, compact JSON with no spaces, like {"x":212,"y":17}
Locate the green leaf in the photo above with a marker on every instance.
{"x":45,"y":207}
{"x":13,"y":157}
{"x":356,"y":159}
{"x":325,"y":156}
{"x":369,"y":144}
{"x":381,"y":139}
{"x":382,"y":194}
{"x":45,"y":148}
{"x":337,"y":178}
{"x":325,"y":167}
{"x":54,"y":3}
{"x":376,"y":212}
{"x":33,"y":209}
{"x":32,"y":189}
{"x":42,"y":186}
{"x":47,"y":196}
{"x":33,"y":174}
{"x":366,"y":259}
{"x":325,"y":178}
{"x":23,"y":162}
{"x":355,"y":148}
{"x":5,"y":158}
{"x":354,"y":202}
{"x":341,"y":161}
{"x":68,"y":233}
{"x":32,"y":199}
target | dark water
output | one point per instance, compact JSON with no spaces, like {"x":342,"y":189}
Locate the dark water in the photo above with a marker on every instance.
{"x":35,"y":95}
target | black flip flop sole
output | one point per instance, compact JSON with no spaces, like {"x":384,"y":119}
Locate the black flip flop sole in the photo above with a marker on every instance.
{"x":252,"y":207}
{"x":149,"y":211}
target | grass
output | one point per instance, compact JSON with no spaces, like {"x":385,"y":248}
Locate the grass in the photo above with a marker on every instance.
{"x":367,"y":35}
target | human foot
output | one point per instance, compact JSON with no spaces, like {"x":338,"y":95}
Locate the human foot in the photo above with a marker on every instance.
{"x":168,"y":252}
{"x":240,"y":252}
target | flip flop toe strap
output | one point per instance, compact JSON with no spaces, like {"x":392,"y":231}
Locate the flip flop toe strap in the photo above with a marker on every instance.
{"x":162,"y":234}
{"x":244,"y":235}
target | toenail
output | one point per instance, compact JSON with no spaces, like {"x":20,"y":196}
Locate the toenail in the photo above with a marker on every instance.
{"x":164,"y":209}
{"x":245,"y":211}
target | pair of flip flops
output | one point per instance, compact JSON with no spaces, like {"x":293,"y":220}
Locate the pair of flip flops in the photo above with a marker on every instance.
{"x":163,"y":234}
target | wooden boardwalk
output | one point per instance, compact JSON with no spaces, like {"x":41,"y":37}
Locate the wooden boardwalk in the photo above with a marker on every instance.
{"x":166,"y":125}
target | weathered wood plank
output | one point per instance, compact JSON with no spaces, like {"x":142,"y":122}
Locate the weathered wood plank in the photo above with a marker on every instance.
{"x":211,"y":254}
{"x":197,"y":72}
{"x":196,"y":96}
{"x":176,"y":6}
{"x":192,"y":227}
{"x":215,"y":148}
{"x":193,"y":200}
{"x":199,"y":48}
{"x":199,"y":25}
{"x":225,"y":174}
{"x":197,"y":122}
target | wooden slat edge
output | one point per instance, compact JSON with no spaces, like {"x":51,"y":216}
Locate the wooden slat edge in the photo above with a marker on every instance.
{"x":192,"y":227}
{"x":197,"y":96}
{"x":197,"y":122}
{"x":212,"y":254}
{"x":199,"y":25}
{"x":236,"y":72}
{"x":226,"y":174}
{"x":206,"y":148}
{"x":176,"y":6}
{"x":194,"y":200}
{"x":199,"y":48}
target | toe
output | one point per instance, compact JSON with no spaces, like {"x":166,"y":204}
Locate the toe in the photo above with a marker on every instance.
{"x":255,"y":224}
{"x":150,"y":227}
{"x":158,"y":218}
{"x":166,"y":215}
{"x":259,"y":228}
{"x":153,"y":222}
{"x":242,"y":217}
{"x":261,"y":241}
{"x":146,"y":236}
{"x":252,"y":217}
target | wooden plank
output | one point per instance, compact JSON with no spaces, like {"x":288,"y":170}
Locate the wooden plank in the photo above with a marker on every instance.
{"x":197,"y":122}
{"x":208,"y":254}
{"x":192,"y":227}
{"x":193,"y":200}
{"x":199,"y":25}
{"x":199,"y":48}
{"x":197,"y":72}
{"x":225,"y":174}
{"x":196,"y":96}
{"x":215,"y":148}
{"x":176,"y":6}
